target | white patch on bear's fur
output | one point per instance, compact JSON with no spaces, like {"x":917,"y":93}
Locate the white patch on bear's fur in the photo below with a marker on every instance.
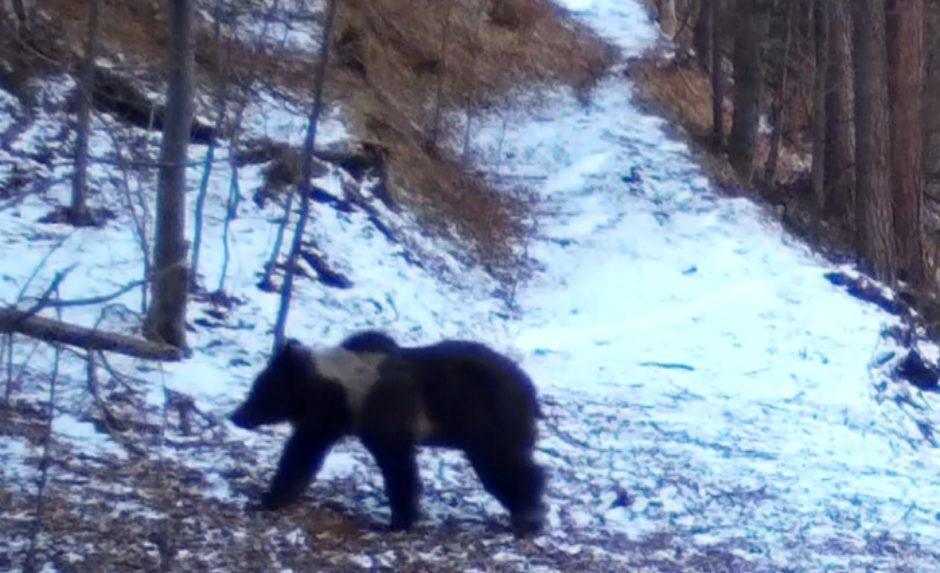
{"x":355,"y":372}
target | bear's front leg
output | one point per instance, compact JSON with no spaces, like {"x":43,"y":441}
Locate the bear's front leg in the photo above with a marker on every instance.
{"x":301,"y":460}
{"x":400,"y":472}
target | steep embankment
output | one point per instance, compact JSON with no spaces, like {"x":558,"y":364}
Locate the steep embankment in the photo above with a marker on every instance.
{"x":712,"y":401}
{"x":406,"y":80}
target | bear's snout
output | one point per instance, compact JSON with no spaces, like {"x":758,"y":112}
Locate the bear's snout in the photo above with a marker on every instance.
{"x":241,"y":419}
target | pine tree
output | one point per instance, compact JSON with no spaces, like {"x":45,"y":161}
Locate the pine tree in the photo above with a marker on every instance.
{"x":840,"y":116}
{"x":874,"y":215}
{"x":906,"y":80}
{"x":748,"y":83}
{"x":820,"y":85}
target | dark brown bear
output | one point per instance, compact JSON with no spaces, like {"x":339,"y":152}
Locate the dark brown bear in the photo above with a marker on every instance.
{"x":453,"y":394}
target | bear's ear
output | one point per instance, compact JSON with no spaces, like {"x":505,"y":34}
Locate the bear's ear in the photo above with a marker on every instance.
{"x":294,"y":347}
{"x":291,"y":350}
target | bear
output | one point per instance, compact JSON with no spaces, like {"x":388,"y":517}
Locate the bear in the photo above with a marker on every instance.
{"x":453,"y":394}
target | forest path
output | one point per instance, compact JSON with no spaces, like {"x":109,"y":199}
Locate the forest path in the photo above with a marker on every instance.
{"x":750,"y":392}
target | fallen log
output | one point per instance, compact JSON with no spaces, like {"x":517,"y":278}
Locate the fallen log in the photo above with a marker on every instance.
{"x":50,"y":330}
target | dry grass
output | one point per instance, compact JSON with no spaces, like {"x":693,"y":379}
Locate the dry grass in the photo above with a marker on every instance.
{"x":685,"y":91}
{"x":684,"y":94}
{"x":399,"y":56}
{"x":394,"y":60}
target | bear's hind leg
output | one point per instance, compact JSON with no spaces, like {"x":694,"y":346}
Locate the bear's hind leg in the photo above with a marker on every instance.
{"x":301,"y":460}
{"x":400,"y":472}
{"x":517,"y":482}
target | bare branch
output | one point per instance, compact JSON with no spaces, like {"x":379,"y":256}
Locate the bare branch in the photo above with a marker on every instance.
{"x":40,"y":266}
{"x":306,"y":168}
{"x":108,"y":419}
{"x":43,"y":300}
{"x":50,"y":330}
{"x":101,"y":299}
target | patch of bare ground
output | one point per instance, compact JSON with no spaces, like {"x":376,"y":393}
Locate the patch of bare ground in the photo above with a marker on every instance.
{"x":409,"y":75}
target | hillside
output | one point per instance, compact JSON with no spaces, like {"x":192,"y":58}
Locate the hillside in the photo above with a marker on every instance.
{"x":394,"y":67}
{"x":713,"y":401}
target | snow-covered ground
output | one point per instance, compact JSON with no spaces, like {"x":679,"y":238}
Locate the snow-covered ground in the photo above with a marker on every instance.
{"x":712,"y":401}
{"x":742,"y":371}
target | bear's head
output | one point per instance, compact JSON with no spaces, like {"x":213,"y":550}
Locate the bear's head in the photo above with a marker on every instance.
{"x":277,"y":394}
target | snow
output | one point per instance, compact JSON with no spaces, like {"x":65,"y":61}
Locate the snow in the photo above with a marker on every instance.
{"x":778,"y":392}
{"x":689,"y":352}
{"x":68,"y":427}
{"x":267,"y":116}
{"x":13,"y":455}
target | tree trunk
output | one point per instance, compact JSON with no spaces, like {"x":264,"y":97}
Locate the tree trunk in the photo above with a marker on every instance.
{"x":166,"y":319}
{"x":306,"y":170}
{"x":78,"y":211}
{"x":221,"y":104}
{"x":932,"y":129}
{"x":778,"y":113}
{"x":667,"y":17}
{"x":718,"y":92}
{"x":748,"y":85}
{"x":874,"y":214}
{"x":702,"y":34}
{"x":906,"y":80}
{"x":19,"y":9}
{"x":820,"y":84}
{"x":840,"y":169}
{"x":435,"y":127}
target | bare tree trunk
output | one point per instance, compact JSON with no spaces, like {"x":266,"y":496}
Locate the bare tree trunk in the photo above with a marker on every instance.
{"x":840,"y":171}
{"x":718,"y":92}
{"x":265,"y":283}
{"x":778,"y":112}
{"x":702,"y":34}
{"x":471,"y":112}
{"x":667,"y":17}
{"x":820,"y":84}
{"x":748,"y":84}
{"x":932,"y":110}
{"x":78,"y":211}
{"x":231,"y":212}
{"x":435,"y":128}
{"x":19,"y":9}
{"x":198,"y":214}
{"x":906,"y":81}
{"x":166,"y":318}
{"x":306,"y":170}
{"x":874,"y":213}
{"x":221,"y":104}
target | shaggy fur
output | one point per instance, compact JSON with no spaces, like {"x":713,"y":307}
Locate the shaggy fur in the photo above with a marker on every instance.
{"x":453,"y":394}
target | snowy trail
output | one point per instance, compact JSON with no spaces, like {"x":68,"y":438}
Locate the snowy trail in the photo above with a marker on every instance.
{"x":716,"y":338}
